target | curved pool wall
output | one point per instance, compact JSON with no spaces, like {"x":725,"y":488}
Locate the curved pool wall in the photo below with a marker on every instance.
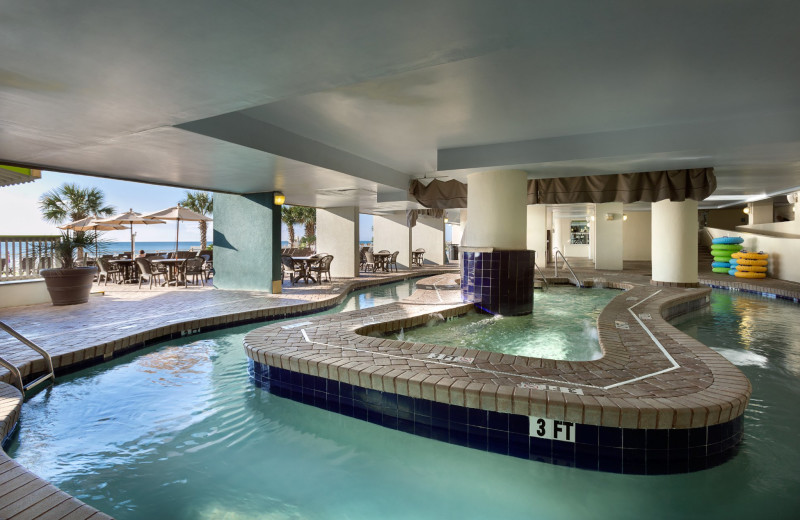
{"x":657,"y":401}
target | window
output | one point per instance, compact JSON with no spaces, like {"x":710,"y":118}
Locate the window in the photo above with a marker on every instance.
{"x":579,"y":232}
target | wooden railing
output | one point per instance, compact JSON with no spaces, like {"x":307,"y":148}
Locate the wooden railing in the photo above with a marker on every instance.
{"x":22,"y":256}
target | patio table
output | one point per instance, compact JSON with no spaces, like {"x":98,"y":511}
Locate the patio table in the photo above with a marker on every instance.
{"x":304,"y":263}
{"x":382,"y":260}
{"x":128,"y":267}
{"x":174,"y":265}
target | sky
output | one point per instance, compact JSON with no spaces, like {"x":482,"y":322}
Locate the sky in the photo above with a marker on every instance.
{"x":20,"y":215}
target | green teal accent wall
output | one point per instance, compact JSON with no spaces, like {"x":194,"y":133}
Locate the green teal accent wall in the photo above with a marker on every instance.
{"x":247,"y":241}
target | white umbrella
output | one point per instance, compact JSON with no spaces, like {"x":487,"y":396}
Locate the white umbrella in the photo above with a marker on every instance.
{"x":131,"y":218}
{"x":92,"y":224}
{"x":179,"y":213}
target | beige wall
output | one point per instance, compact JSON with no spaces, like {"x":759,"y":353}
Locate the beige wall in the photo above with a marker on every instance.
{"x":337,"y":235}
{"x":608,"y":236}
{"x":23,"y":292}
{"x":428,"y":234}
{"x":727,"y":218}
{"x":636,"y":236}
{"x":391,"y":232}
{"x":537,"y":231}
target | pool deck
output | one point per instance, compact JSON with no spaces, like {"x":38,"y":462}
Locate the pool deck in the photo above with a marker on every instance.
{"x":125,"y":318}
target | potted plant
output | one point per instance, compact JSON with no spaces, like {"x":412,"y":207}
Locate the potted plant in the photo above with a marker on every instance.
{"x":69,"y":284}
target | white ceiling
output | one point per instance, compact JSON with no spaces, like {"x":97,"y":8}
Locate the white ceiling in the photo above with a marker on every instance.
{"x":339,"y":103}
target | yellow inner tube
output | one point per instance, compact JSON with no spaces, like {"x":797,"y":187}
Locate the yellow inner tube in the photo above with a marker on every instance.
{"x":749,"y":274}
{"x":750,"y":256}
{"x":751,"y":268}
{"x":745,"y":261}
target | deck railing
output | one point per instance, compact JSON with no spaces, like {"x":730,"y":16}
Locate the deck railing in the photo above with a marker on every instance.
{"x":22,"y":256}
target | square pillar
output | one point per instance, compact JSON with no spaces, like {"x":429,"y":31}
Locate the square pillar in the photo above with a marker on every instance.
{"x":337,"y":235}
{"x":537,"y":232}
{"x":428,"y":234}
{"x":391,"y":232}
{"x":247,"y":242}
{"x":608,"y":246}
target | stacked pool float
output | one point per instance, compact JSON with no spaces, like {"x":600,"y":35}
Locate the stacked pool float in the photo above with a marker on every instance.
{"x":745,"y":264}
{"x":723,"y":249}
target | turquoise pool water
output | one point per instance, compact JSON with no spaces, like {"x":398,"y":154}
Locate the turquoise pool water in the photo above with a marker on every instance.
{"x":563,"y":325}
{"x":178,"y":431}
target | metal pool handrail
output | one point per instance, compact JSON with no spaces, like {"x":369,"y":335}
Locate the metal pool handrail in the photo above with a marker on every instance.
{"x":577,"y":281}
{"x":541,"y":274}
{"x":13,"y":368}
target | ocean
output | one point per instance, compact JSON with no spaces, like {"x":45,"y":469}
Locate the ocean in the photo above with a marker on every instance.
{"x":113,"y":248}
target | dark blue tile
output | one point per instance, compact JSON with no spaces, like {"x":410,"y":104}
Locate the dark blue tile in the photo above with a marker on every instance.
{"x":609,"y":459}
{"x":305,"y":397}
{"x":478,"y":417}
{"x":518,"y":445}
{"x":405,"y":404}
{"x":634,"y":461}
{"x":373,"y":398}
{"x":296,"y":378}
{"x":519,"y":424}
{"x":498,"y":441}
{"x":697,"y":437}
{"x":498,"y":421}
{"x":423,"y":430}
{"x":375,"y":417}
{"x":422,"y":407}
{"x":389,"y":412}
{"x":332,"y":387}
{"x":563,"y":453}
{"x":610,"y":437}
{"x":319,"y":400}
{"x":540,"y":449}
{"x":405,"y":425}
{"x":478,"y":438}
{"x":633,"y":438}
{"x":657,"y":439}
{"x":658,"y":462}
{"x":459,"y":414}
{"x":714,"y":433}
{"x":586,"y":434}
{"x":332,"y":404}
{"x":440,"y":411}
{"x":359,"y":412}
{"x":586,"y":456}
{"x":320,"y":383}
{"x":459,"y":437}
{"x":678,"y":439}
{"x":389,"y":400}
{"x":390,"y":422}
{"x":346,"y":390}
{"x":697,"y":464}
{"x":439,"y":433}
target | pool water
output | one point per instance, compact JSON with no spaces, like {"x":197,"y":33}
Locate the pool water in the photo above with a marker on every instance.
{"x":563,"y":325}
{"x":178,"y":431}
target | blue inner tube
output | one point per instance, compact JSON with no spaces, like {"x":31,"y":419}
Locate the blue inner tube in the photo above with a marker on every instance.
{"x":733,"y":262}
{"x":732,"y":272}
{"x":720,"y":264}
{"x":727,"y":240}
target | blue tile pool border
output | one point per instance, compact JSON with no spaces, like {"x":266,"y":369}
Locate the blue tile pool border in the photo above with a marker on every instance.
{"x":597,"y":448}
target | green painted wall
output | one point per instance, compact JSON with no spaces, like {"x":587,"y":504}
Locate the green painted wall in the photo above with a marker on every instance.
{"x":247,"y":241}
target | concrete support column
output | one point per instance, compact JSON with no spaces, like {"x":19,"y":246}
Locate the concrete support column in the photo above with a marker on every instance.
{"x":674,"y":243}
{"x":761,"y":212}
{"x":428,"y":234}
{"x":537,"y":232}
{"x":247,"y":242}
{"x":337,"y":235}
{"x":391,"y":232}
{"x":608,"y":236}
{"x":496,"y":266}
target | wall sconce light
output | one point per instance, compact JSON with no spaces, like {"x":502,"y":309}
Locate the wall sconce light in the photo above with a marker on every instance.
{"x":609,"y":216}
{"x":446,"y":220}
{"x":746,"y":210}
{"x":624,"y":216}
{"x":279,"y":198}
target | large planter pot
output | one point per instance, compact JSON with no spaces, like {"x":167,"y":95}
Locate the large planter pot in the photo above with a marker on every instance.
{"x":69,"y":286}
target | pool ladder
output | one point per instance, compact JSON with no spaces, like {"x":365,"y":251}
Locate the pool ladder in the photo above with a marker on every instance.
{"x":15,"y":371}
{"x":546,"y":285}
{"x":559,"y":253}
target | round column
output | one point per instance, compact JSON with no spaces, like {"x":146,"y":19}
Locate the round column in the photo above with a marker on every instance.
{"x":496,"y":266}
{"x":674,"y":243}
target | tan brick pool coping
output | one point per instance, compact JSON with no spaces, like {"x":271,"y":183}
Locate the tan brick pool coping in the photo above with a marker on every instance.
{"x":650,"y":375}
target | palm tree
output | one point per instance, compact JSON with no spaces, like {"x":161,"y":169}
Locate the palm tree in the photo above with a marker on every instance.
{"x":71,"y":202}
{"x":202,"y":202}
{"x":291,"y":215}
{"x":308,"y":217}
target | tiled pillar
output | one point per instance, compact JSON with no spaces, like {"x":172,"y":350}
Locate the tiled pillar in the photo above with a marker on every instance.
{"x":337,"y":235}
{"x":608,"y":236}
{"x":391,"y":232}
{"x":428,"y":234}
{"x":496,"y":266}
{"x":674,"y":243}
{"x":247,"y":242}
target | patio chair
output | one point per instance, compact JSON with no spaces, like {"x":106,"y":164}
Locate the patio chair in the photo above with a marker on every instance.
{"x":323,"y":267}
{"x":208,"y":267}
{"x":369,"y":261}
{"x":146,"y":270}
{"x":193,"y":267}
{"x":106,"y":270}
{"x":393,"y":261}
{"x":287,"y":267}
{"x":417,"y":257}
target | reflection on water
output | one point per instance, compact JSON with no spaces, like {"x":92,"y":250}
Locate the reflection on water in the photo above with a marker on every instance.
{"x":563,"y":326}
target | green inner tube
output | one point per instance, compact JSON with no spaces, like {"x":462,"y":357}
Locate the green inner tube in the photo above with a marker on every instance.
{"x":726,"y":247}
{"x":722,"y":258}
{"x":723,"y":270}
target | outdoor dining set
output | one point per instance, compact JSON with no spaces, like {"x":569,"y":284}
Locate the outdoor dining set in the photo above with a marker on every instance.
{"x":309,"y":268}
{"x":386,"y":261}
{"x":176,"y":268}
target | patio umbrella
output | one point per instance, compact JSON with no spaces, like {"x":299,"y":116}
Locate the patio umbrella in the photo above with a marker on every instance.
{"x":92,"y":224}
{"x":179,"y":213}
{"x":131,"y":218}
